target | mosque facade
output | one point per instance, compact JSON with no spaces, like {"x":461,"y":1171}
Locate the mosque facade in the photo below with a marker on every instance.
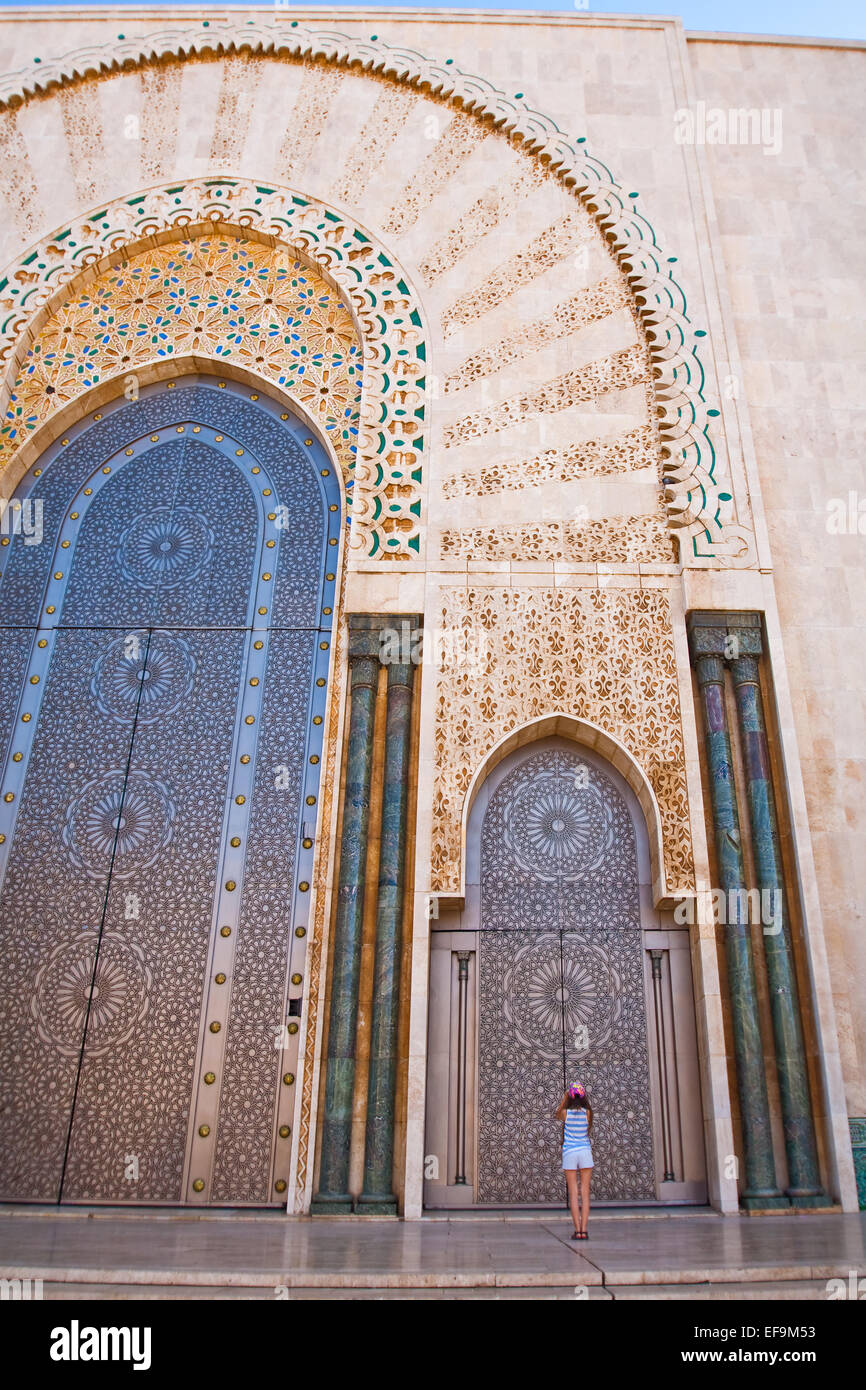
{"x":432,"y":562}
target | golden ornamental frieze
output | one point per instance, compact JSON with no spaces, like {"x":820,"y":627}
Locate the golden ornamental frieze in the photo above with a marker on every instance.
{"x":384,"y":450}
{"x":512,"y":656}
{"x":702,"y":512}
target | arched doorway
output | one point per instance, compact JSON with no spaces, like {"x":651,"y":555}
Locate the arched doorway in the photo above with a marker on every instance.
{"x":559,"y":969}
{"x":166,"y":657}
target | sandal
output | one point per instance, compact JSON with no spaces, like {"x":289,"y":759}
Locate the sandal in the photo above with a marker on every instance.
{"x":576,"y":1235}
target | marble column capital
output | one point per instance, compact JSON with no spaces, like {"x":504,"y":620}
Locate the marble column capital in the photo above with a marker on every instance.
{"x":366,"y":635}
{"x":744,"y":670}
{"x":710,"y":669}
{"x":727,"y":636}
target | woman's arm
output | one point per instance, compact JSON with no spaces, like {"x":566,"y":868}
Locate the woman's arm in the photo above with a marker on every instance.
{"x":563,"y":1106}
{"x":589,"y":1119}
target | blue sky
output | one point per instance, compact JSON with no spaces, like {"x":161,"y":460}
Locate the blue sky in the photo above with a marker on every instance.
{"x":837,"y":19}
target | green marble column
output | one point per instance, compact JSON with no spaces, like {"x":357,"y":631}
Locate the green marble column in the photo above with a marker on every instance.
{"x":378,"y":1196}
{"x":803,"y":1173}
{"x":333,"y":1195}
{"x":760,"y":1186}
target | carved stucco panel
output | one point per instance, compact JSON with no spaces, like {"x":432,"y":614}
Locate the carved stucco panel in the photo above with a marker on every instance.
{"x":514,"y":655}
{"x":392,"y":421}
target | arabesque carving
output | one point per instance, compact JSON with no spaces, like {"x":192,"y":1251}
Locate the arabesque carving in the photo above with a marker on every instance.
{"x":392,"y":424}
{"x":515,"y":655}
{"x":698,"y":508}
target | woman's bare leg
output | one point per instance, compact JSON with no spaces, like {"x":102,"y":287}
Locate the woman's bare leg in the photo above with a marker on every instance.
{"x":585,"y":1179}
{"x":573,"y":1196}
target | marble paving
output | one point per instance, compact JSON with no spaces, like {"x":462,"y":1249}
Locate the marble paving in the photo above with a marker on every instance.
{"x":206,"y":1253}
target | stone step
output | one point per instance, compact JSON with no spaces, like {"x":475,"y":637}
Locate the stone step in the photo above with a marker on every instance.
{"x":805,"y":1290}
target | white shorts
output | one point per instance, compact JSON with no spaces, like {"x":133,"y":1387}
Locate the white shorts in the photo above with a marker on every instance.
{"x":577,"y":1158}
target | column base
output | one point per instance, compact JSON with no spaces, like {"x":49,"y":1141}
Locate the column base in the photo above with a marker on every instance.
{"x":376,"y":1204}
{"x":759,"y":1203}
{"x":816,"y":1199}
{"x":332,"y":1204}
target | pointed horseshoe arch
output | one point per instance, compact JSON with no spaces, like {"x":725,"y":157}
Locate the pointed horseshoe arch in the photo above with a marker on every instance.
{"x":696,"y":499}
{"x":582,"y":732}
{"x":393,"y":427}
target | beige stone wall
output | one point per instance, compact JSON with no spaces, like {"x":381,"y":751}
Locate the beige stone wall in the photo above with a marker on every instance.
{"x":791,"y":230}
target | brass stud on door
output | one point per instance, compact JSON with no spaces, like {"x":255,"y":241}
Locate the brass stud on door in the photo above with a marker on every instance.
{"x":289,"y":1078}
{"x":280,"y":1185}
{"x":209,"y":1078}
{"x":204,"y":1131}
{"x":285,"y":1131}
{"x":198,"y":1185}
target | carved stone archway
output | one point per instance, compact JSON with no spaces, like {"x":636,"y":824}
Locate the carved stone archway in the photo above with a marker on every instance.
{"x":392,"y":424}
{"x":587,"y":735}
{"x":698,"y":505}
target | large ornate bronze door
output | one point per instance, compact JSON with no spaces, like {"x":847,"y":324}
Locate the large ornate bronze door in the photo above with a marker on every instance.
{"x":561,"y":982}
{"x":165,"y":655}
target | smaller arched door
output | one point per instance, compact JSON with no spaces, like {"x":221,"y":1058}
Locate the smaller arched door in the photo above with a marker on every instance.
{"x":559,"y":970}
{"x":165,"y":658}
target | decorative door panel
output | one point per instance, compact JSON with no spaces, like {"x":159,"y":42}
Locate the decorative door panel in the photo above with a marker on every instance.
{"x":604,"y":993}
{"x":561,"y":990}
{"x":254,"y":1102}
{"x":53,"y":899}
{"x":129,"y":1131}
{"x":176,"y":661}
{"x":519,"y":1066}
{"x":14,"y":651}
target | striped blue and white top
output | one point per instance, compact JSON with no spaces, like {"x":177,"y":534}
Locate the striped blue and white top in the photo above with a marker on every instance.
{"x":576,"y":1130}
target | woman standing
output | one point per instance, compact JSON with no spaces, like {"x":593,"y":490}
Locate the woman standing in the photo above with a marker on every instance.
{"x":576,"y":1111}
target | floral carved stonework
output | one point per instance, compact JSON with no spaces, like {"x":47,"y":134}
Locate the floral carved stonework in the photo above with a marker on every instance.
{"x":280,"y":285}
{"x":222,"y":297}
{"x":603,"y":655}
